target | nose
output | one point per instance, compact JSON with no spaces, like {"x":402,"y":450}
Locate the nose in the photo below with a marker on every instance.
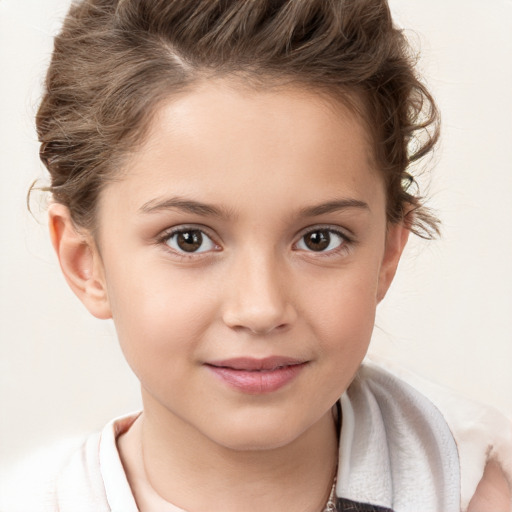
{"x":257,"y":296}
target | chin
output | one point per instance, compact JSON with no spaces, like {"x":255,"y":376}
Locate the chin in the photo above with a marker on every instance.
{"x":260,"y":444}
{"x":255,"y":437}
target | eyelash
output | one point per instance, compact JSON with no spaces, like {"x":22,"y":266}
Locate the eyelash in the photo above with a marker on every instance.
{"x":170,"y":233}
{"x":344,"y":246}
{"x":346,"y":241}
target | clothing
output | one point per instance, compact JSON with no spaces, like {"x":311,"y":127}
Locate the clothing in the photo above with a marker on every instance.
{"x":396,"y":453}
{"x":392,"y":438}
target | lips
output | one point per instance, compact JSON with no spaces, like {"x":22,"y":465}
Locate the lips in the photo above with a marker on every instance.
{"x":253,"y":364}
{"x":257,"y":376}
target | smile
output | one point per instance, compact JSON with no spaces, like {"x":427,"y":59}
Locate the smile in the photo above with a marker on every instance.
{"x":257,"y":376}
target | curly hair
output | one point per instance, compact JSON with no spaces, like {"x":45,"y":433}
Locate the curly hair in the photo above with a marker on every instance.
{"x":114,"y":61}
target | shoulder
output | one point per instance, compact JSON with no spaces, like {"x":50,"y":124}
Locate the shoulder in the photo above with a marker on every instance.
{"x":483,"y":436}
{"x":30,"y":483}
{"x":78,"y":475}
{"x":493,"y":492}
{"x":391,"y":438}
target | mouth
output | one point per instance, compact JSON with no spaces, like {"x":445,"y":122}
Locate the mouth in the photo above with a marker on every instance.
{"x":257,"y":376}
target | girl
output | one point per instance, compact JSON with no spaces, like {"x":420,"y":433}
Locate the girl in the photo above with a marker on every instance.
{"x":230,"y":184}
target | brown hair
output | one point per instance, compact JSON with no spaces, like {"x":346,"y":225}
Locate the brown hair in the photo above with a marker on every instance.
{"x":115,"y":60}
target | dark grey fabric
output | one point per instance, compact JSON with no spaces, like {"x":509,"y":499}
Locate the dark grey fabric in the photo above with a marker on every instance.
{"x":343,"y":505}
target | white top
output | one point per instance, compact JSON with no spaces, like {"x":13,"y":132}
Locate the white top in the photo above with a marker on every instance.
{"x":396,"y":451}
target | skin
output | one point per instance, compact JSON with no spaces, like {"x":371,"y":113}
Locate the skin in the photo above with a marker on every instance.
{"x":255,"y":171}
{"x":493,"y":493}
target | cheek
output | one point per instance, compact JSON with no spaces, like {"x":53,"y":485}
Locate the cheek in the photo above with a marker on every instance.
{"x":342,"y":310}
{"x":159,"y":314}
{"x":342,"y":315}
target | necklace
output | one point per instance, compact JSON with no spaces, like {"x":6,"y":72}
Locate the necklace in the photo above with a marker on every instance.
{"x":330,"y":506}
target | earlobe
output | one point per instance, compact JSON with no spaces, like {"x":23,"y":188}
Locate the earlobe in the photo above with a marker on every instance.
{"x":80,"y":261}
{"x":396,"y":239}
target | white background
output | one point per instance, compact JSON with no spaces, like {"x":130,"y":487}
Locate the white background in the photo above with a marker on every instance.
{"x":447,"y":317}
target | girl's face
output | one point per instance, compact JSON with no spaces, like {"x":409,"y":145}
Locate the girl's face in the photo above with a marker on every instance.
{"x":243,"y":253}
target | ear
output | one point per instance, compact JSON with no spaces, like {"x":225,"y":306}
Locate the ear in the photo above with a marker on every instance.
{"x":80,"y":261}
{"x":396,"y":238}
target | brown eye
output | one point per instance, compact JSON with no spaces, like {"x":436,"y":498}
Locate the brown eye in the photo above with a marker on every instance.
{"x":321,"y":240}
{"x":191,"y":241}
{"x":317,"y":240}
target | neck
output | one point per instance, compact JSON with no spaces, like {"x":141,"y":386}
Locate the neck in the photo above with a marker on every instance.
{"x":194,"y":473}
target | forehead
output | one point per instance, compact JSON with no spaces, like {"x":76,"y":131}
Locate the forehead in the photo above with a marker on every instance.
{"x":225,"y":139}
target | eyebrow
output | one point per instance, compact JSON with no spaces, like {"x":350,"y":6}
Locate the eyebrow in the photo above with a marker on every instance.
{"x":186,"y":205}
{"x":205,"y":209}
{"x":333,"y":206}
